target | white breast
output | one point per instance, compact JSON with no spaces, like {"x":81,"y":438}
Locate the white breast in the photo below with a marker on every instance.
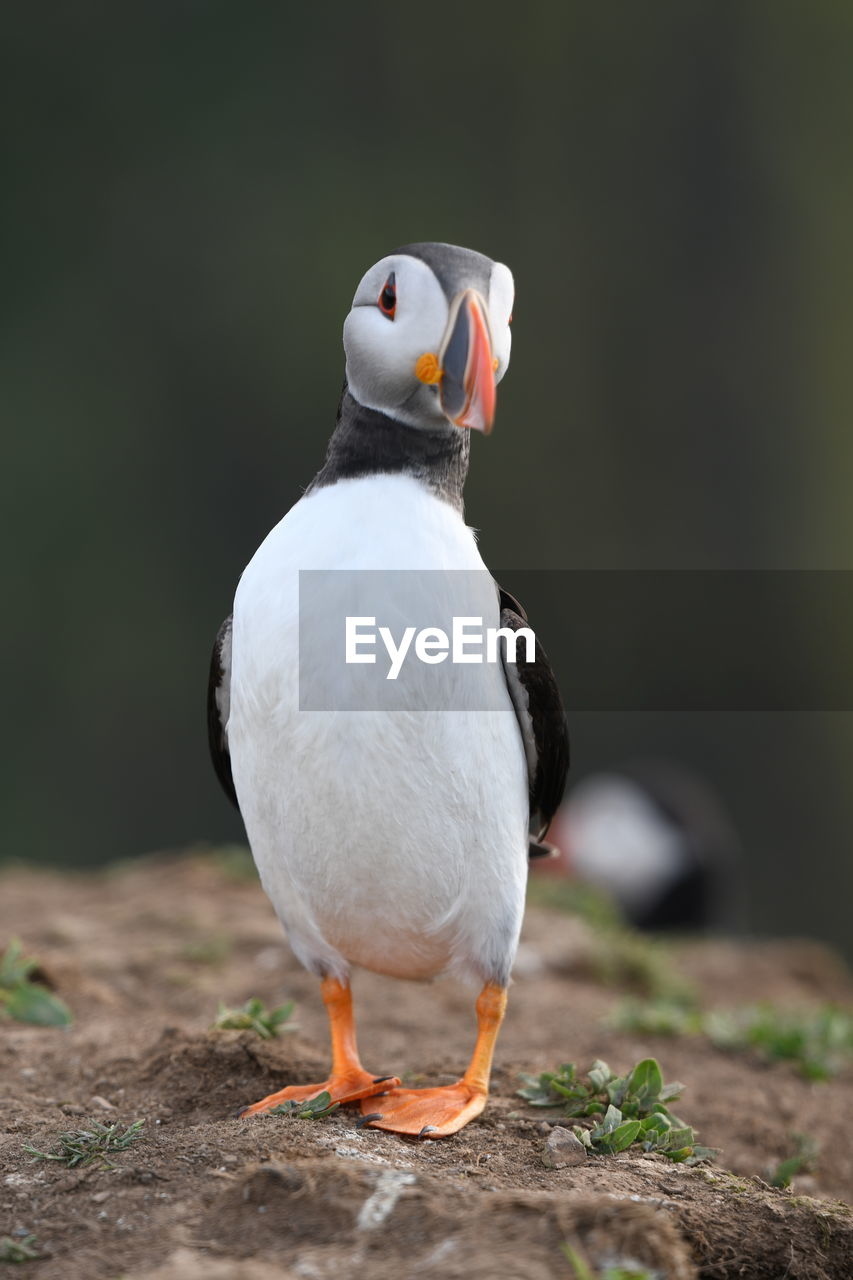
{"x":396,"y":840}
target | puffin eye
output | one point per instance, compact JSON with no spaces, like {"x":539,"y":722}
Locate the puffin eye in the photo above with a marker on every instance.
{"x":388,"y":297}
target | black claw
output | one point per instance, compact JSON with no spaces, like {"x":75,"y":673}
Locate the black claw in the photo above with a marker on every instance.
{"x":375,"y":1115}
{"x":241,"y":1112}
{"x":428,"y":1128}
{"x":381,"y":1079}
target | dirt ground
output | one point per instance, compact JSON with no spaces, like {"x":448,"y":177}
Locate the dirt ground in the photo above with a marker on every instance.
{"x":143,"y":953}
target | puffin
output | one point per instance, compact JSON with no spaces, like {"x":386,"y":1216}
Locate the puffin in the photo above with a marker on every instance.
{"x":655,"y":836}
{"x":394,"y":835}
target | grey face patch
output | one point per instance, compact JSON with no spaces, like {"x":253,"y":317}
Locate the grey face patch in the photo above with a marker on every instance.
{"x":373,"y":442}
{"x":454,"y":268}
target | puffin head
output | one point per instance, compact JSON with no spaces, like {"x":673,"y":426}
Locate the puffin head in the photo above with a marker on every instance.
{"x":428,"y":337}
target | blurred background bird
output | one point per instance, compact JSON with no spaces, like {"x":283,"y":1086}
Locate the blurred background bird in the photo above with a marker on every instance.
{"x":654,"y":838}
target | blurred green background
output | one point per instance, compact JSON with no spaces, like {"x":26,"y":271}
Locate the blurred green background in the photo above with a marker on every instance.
{"x":192,"y":193}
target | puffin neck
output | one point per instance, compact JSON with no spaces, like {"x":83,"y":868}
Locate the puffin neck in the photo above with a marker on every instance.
{"x":366,"y":442}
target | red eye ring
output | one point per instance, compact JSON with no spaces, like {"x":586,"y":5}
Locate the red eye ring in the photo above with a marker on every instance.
{"x":387,"y":301}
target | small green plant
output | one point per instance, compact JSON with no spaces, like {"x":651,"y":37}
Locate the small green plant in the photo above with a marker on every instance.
{"x":661,"y":1017}
{"x":593,"y":905}
{"x":255,"y":1016}
{"x":639,"y":1093}
{"x":583,"y":1270}
{"x":802,"y":1161}
{"x":23,"y":1250}
{"x":90,"y":1146}
{"x":622,"y":957}
{"x":819,"y":1041}
{"x":22,"y":997}
{"x":628,"y":1110}
{"x":308,"y":1108}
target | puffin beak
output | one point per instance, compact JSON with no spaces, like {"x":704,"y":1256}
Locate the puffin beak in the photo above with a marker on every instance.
{"x":468,"y":379}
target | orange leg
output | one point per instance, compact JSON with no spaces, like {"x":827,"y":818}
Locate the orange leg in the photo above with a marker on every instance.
{"x":436,"y":1113}
{"x":348,"y":1080}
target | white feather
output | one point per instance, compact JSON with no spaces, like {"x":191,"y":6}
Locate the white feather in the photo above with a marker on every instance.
{"x":395,"y":840}
{"x":621,"y":842}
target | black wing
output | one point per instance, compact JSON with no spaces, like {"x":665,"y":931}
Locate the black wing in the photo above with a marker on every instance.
{"x":218,"y":707}
{"x":542,"y":721}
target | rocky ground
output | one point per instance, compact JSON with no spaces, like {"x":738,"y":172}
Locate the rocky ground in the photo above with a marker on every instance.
{"x":142,"y":954}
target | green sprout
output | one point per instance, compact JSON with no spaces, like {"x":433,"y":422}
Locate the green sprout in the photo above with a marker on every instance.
{"x":625,"y":1110}
{"x":593,"y":905}
{"x":620,"y":956}
{"x":661,"y":1017}
{"x":255,"y":1016}
{"x":819,"y":1041}
{"x":308,"y":1108}
{"x":802,"y":1161}
{"x":81,"y":1147}
{"x":22,"y":997}
{"x":23,"y":1250}
{"x":625,"y":958}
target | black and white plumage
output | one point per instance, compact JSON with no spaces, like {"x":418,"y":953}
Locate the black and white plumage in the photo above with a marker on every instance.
{"x":218,"y":708}
{"x":656,"y":837}
{"x":535,"y":697}
{"x":542,"y":721}
{"x":393,"y":840}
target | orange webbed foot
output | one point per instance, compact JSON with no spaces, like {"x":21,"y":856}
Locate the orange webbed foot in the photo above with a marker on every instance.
{"x":348,"y":1087}
{"x":424,"y":1113}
